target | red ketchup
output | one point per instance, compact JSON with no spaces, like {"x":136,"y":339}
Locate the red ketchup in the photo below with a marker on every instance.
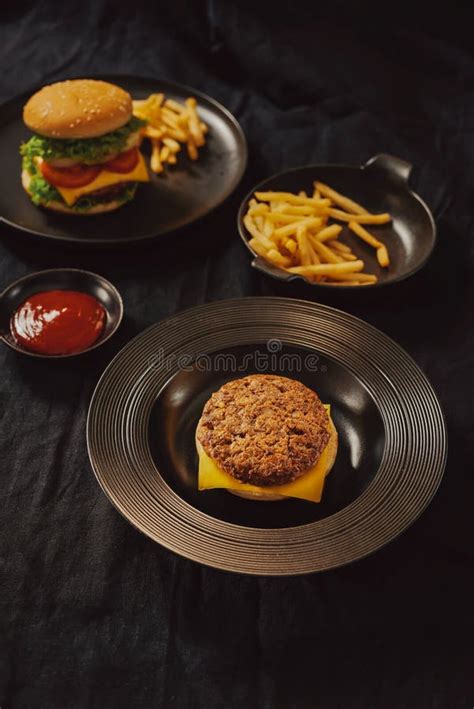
{"x":58,"y":322}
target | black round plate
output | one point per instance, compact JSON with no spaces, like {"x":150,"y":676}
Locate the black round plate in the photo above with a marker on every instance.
{"x":76,"y":279}
{"x":381,"y":185}
{"x":144,"y":412}
{"x":176,"y":198}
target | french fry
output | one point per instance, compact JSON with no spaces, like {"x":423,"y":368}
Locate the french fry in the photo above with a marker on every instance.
{"x":257,"y":246}
{"x":151,"y":132}
{"x":290,"y":198}
{"x":291,"y":246}
{"x":302,"y":241}
{"x":382,"y":256}
{"x":359,"y":218}
{"x":343,"y":248}
{"x":281,"y":218}
{"x":268,"y":228}
{"x":358,"y":277}
{"x":347,"y":204}
{"x":302,"y":210}
{"x":326,"y":255}
{"x":175,"y":106}
{"x":364,"y":235}
{"x":348,"y":257}
{"x":194,"y":123}
{"x":158,"y":100}
{"x":382,"y":253}
{"x":172,"y":144}
{"x":164,"y":154}
{"x":182,"y":120}
{"x":270,"y":255}
{"x":289,"y":229}
{"x":259,"y":222}
{"x":250,"y":226}
{"x":329,"y":232}
{"x":196,"y":132}
{"x":150,"y":104}
{"x":257,"y":209}
{"x":155,"y":162}
{"x":169,"y":117}
{"x":313,"y":256}
{"x":327,"y":269}
{"x":351,"y":283}
{"x":177,"y":133}
{"x":192,"y":150}
{"x":277,"y":258}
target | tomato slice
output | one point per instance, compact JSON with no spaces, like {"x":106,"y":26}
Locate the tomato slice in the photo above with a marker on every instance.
{"x":124,"y":162}
{"x":75,"y":176}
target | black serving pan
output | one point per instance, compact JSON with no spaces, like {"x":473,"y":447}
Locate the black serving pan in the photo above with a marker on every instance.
{"x":381,"y":185}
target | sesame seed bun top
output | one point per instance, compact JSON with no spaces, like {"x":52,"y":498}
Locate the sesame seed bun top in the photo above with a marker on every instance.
{"x":78,"y":108}
{"x":264,"y":429}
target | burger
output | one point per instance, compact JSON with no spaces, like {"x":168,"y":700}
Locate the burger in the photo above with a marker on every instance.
{"x":84,"y":156}
{"x":266,"y":437}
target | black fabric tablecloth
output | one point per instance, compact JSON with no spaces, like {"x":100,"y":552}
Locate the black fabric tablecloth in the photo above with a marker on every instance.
{"x":92,"y":613}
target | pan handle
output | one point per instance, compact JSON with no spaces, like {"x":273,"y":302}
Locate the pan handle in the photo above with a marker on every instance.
{"x":396,"y":167}
{"x":260,"y":264}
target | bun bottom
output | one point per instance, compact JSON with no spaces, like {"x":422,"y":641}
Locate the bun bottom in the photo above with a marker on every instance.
{"x":331,"y":448}
{"x":260,"y":497}
{"x":56,"y":206}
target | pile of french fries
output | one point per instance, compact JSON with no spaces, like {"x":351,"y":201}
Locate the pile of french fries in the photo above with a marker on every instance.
{"x":296,"y":233}
{"x":170,"y":125}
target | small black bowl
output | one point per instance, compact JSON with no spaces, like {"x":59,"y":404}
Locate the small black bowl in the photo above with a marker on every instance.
{"x":381,"y":185}
{"x":60,"y":279}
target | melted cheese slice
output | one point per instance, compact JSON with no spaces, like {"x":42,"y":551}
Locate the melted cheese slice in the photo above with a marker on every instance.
{"x":308,"y":487}
{"x":104,"y":179}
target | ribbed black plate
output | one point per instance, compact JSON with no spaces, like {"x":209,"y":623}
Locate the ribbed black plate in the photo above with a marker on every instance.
{"x":145,"y":408}
{"x":171,"y":201}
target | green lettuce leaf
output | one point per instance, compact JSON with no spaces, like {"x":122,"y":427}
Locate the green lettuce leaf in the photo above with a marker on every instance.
{"x":41,"y":192}
{"x":86,"y":150}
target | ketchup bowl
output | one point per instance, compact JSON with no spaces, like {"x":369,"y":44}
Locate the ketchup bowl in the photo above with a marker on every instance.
{"x":86,"y":291}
